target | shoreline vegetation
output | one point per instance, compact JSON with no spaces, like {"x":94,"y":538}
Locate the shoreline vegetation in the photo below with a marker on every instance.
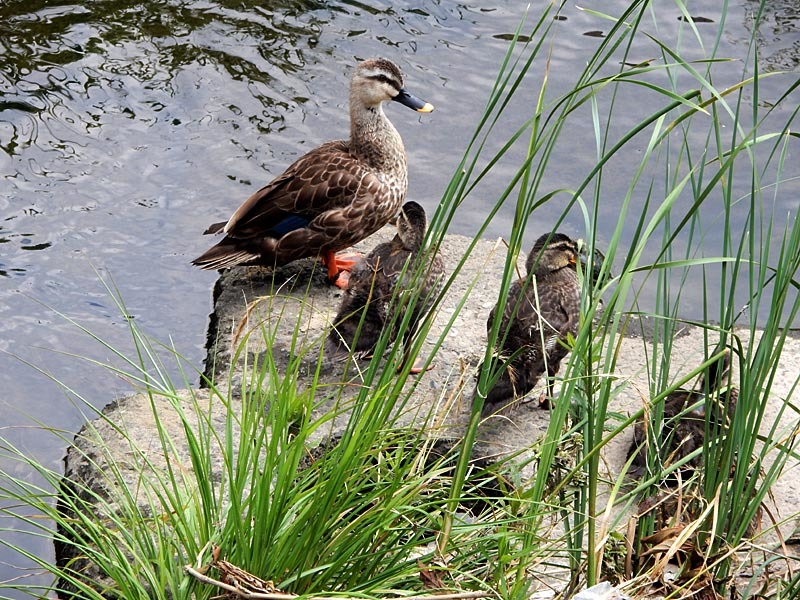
{"x":382,"y":483}
{"x":405,"y":436}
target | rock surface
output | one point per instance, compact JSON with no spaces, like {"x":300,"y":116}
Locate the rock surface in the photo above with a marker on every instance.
{"x":247,"y":305}
{"x":250,"y":301}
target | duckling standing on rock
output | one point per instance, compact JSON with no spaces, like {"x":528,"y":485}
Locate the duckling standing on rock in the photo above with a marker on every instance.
{"x":538,"y":315}
{"x":380,"y":285}
{"x":684,"y":428}
{"x":332,"y":197}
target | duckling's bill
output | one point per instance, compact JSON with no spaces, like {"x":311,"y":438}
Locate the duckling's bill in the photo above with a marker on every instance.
{"x":413,"y":102}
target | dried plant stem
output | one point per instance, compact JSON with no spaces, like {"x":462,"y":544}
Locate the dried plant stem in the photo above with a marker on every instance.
{"x":242,"y":593}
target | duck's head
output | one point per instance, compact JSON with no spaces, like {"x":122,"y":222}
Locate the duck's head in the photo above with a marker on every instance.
{"x":411,"y":225}
{"x":378,"y":80}
{"x":718,"y":374}
{"x":552,"y":252}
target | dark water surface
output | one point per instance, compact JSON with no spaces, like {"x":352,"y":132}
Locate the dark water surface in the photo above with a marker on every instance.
{"x":126,"y":127}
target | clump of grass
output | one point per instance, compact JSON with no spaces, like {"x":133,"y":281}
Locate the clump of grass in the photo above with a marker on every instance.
{"x":361,"y":516}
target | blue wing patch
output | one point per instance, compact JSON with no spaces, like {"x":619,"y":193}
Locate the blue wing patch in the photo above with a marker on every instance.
{"x":288,"y":224}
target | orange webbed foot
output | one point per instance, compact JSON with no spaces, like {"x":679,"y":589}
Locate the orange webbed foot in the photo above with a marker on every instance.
{"x":341,"y":279}
{"x":339,"y":267}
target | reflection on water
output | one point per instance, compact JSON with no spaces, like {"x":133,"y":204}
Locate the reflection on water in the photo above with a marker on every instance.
{"x":778,"y":34}
{"x":127,"y":126}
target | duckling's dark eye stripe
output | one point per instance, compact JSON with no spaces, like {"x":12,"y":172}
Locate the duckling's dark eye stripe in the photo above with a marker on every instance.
{"x":563,"y":245}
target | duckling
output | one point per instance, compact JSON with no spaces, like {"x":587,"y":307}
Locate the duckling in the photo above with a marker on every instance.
{"x":332,"y":197}
{"x":539,"y":314}
{"x":684,"y":427}
{"x":371,"y":302}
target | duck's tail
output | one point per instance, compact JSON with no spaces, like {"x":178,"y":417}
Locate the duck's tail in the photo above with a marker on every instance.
{"x":230,"y":252}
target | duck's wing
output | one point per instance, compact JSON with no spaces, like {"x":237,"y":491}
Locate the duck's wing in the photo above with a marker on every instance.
{"x":522,"y":320}
{"x":429,"y":284}
{"x":326,"y":180}
{"x":513,"y":340}
{"x":560,"y":300}
{"x":535,"y":320}
{"x":560,"y":306}
{"x":392,"y":262}
{"x":358,"y":323}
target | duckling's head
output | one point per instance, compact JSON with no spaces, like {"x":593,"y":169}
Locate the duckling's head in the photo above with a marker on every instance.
{"x":718,"y":375}
{"x":378,"y":80}
{"x":411,"y":225}
{"x":552,"y":252}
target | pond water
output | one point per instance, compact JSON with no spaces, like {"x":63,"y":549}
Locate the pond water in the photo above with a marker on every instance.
{"x":126,"y":127}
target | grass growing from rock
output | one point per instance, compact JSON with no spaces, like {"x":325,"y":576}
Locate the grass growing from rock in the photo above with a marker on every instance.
{"x":381,"y":512}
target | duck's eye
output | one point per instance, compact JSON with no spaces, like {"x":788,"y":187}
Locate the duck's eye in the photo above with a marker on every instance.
{"x":384,"y":79}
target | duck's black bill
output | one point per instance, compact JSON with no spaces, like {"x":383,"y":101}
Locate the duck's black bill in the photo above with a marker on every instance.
{"x":413,"y":102}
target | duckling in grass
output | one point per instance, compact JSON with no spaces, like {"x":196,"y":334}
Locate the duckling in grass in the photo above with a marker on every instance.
{"x":684,"y":425}
{"x":541,"y":311}
{"x":384,"y":285}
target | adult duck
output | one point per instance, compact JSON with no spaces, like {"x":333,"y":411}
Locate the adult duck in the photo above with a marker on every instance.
{"x":332,"y":197}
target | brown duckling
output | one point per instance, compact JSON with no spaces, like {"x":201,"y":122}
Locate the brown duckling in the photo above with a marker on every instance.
{"x":539,"y":314}
{"x":379,"y":284}
{"x":684,"y":428}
